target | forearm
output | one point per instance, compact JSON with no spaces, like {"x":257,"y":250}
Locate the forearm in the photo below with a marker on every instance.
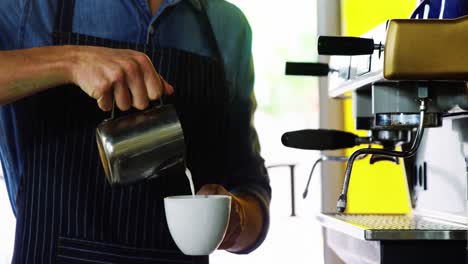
{"x":28,"y":71}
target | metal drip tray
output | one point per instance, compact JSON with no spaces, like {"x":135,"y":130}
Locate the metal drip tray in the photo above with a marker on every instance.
{"x":394,"y":227}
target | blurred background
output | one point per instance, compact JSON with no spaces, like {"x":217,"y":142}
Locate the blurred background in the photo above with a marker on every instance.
{"x":285,"y":31}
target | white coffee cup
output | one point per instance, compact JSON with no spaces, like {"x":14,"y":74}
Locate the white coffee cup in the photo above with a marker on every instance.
{"x":197,"y":223}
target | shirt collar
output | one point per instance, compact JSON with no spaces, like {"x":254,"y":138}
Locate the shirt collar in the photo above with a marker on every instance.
{"x":197,"y":4}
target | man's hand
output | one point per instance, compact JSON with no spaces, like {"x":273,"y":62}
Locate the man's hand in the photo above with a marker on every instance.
{"x":235,"y":219}
{"x":126,"y":75}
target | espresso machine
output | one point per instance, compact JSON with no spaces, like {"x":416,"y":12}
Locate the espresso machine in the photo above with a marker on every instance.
{"x":408,"y":83}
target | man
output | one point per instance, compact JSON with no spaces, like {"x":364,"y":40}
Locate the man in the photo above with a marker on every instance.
{"x":439,"y":9}
{"x":63,"y":63}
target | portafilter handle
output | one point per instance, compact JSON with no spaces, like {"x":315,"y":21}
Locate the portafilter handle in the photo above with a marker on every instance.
{"x":320,"y":139}
{"x":346,"y":46}
{"x":307,"y":69}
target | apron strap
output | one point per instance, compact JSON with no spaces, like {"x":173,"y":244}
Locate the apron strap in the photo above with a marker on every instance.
{"x":64,"y":16}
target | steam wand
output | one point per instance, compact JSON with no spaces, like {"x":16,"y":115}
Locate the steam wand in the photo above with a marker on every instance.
{"x":342,"y":200}
{"x":325,"y":158}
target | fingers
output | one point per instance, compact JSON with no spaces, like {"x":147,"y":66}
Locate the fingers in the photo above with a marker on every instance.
{"x":156,"y":86}
{"x":213,"y":189}
{"x":122,"y":96}
{"x":105,"y":102}
{"x":142,"y":80}
{"x":150,"y":76}
{"x":168,"y":89}
{"x":136,"y":84}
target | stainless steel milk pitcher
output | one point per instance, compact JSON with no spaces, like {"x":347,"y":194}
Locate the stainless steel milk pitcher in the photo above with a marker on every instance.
{"x":141,"y":145}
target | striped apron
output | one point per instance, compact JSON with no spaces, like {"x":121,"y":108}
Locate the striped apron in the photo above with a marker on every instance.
{"x":66,"y":211}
